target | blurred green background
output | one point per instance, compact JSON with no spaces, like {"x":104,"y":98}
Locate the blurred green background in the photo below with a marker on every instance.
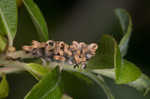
{"x":86,"y":20}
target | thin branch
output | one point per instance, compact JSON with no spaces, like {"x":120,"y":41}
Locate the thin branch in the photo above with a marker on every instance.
{"x":19,"y":54}
{"x":8,"y":70}
{"x":10,"y":66}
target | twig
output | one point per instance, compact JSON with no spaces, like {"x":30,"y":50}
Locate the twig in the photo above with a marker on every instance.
{"x":18,"y":54}
{"x":8,"y":70}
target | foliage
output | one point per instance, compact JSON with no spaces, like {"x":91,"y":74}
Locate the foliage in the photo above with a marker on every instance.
{"x":109,"y":59}
{"x":4,"y":86}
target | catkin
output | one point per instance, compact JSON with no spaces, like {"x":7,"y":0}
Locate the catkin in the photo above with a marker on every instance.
{"x":75,"y":54}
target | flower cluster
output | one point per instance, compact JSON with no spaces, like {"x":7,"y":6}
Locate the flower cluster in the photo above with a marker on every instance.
{"x":75,"y":54}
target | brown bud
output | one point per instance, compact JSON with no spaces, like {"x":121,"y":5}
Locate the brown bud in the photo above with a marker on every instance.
{"x":27,"y":48}
{"x":61,"y":52}
{"x":75,"y":45}
{"x":43,"y":44}
{"x":78,"y":52}
{"x":93,"y":46}
{"x":77,"y":59}
{"x":51,"y":43}
{"x":36,"y":44}
{"x":83,"y":59}
{"x":59,"y":58}
{"x":84,"y":50}
{"x":67,"y":51}
{"x":61,"y":45}
{"x":82,"y":44}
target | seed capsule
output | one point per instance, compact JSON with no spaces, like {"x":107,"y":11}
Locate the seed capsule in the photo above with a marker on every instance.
{"x":75,"y":54}
{"x":59,"y":58}
{"x":27,"y":48}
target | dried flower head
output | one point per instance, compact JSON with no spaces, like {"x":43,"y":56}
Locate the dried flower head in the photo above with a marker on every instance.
{"x":58,"y":51}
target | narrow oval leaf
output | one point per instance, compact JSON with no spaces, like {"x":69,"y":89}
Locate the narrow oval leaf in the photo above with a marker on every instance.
{"x":3,"y":43}
{"x":126,"y":26}
{"x":117,"y":63}
{"x":128,"y":72}
{"x":104,"y":57}
{"x":37,"y":19}
{"x":8,"y":19}
{"x":37,"y":70}
{"x":48,"y":87}
{"x":109,"y":55}
{"x":125,"y":71}
{"x":90,"y":79}
{"x":141,"y":84}
{"x":110,"y":73}
{"x":4,"y":88}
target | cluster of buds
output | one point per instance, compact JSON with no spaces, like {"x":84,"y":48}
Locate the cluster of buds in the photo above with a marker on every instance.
{"x":57,"y":51}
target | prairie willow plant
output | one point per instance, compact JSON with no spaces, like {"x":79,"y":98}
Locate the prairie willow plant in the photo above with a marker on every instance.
{"x":105,"y":57}
{"x":57,"y":51}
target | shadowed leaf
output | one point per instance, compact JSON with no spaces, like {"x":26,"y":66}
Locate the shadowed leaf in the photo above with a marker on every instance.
{"x":104,"y":57}
{"x":126,"y":26}
{"x":37,"y":19}
{"x":90,"y":79}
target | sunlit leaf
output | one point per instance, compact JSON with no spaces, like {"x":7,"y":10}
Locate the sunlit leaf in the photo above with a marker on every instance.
{"x":37,"y":18}
{"x":4,"y":88}
{"x":104,"y":57}
{"x":124,"y":70}
{"x":37,"y":70}
{"x":109,"y":54}
{"x":118,"y":64}
{"x":128,"y":72}
{"x":142,"y":83}
{"x":8,"y":19}
{"x":126,"y":26}
{"x":48,"y":87}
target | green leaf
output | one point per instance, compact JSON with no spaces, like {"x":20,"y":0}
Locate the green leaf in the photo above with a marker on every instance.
{"x":91,"y":79}
{"x":4,"y":88}
{"x":48,"y":87}
{"x":110,"y":73}
{"x":118,"y":64}
{"x":8,"y":19}
{"x":3,"y":43}
{"x":37,"y":19}
{"x":104,"y":57}
{"x":125,"y":71}
{"x":108,"y":55}
{"x":37,"y":70}
{"x":142,"y":83}
{"x":128,"y":72}
{"x":126,"y":26}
